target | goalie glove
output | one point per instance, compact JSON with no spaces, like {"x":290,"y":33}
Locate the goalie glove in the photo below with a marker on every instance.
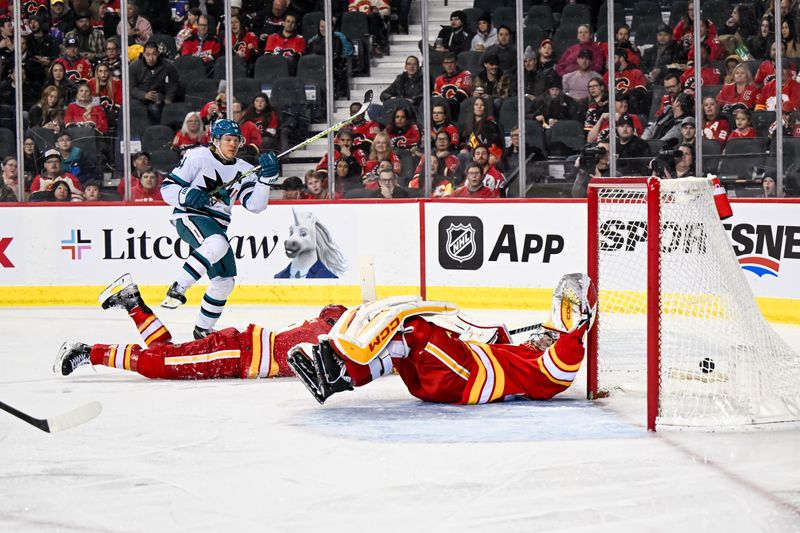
{"x":574,"y":304}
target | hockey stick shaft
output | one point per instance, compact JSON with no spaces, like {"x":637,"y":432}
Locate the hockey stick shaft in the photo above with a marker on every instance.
{"x":323,"y":133}
{"x":524,"y":329}
{"x":75,"y":417}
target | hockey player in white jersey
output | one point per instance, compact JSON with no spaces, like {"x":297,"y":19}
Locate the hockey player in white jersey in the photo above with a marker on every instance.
{"x":202,"y":221}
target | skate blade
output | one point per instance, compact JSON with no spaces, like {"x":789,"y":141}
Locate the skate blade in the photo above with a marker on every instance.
{"x":171,"y":303}
{"x":60,"y":357}
{"x":116,"y":286}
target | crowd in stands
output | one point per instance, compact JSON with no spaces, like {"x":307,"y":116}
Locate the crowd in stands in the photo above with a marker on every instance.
{"x":72,"y":86}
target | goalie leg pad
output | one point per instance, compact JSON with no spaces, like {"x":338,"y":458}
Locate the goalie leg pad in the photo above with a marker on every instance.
{"x":362,"y":333}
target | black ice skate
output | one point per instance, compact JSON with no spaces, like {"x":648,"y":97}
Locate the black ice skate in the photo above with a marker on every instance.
{"x":122,"y":293}
{"x":174,"y":297}
{"x":331,"y":372}
{"x":70,"y":356}
{"x":200,"y":333}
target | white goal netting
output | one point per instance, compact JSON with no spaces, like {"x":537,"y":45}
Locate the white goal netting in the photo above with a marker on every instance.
{"x":720,"y":364}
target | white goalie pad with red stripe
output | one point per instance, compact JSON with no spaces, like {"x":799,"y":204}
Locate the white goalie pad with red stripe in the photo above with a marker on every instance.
{"x":363,"y":332}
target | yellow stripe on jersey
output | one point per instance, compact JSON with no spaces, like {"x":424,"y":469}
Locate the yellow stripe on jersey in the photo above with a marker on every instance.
{"x":561,"y":364}
{"x":499,"y":375}
{"x":147,"y":322}
{"x":126,"y":361}
{"x":439,"y":354}
{"x":255,"y":361}
{"x":273,"y":364}
{"x":201,"y":358}
{"x":157,"y":333}
{"x":112,"y":355}
{"x":480,"y":378}
{"x":549,"y":376}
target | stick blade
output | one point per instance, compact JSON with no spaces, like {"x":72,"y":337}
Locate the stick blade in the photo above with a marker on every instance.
{"x":368,"y":96}
{"x":76,"y":417}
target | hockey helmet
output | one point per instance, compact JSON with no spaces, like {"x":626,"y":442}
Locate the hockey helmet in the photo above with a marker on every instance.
{"x":225,"y":126}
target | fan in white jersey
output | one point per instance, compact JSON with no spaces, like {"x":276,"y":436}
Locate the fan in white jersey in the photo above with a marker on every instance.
{"x":202,"y":221}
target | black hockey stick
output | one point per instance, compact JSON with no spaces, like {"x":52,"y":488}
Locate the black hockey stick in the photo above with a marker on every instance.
{"x":323,"y":133}
{"x":524,"y":329}
{"x":79,"y":415}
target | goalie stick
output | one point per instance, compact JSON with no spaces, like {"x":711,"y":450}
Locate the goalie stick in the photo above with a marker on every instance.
{"x":323,"y":133}
{"x":76,"y":417}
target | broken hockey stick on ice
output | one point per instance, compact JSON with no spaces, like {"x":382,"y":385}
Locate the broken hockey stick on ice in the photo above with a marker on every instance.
{"x":76,"y":417}
{"x":336,"y":127}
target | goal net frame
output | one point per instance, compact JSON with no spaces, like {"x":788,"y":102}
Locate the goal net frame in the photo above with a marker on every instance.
{"x":668,"y":352}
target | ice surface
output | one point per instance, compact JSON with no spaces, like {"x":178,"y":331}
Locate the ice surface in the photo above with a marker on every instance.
{"x":264,"y":456}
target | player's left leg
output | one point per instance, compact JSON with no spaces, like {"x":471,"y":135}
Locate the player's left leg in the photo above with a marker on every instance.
{"x":222,"y":275}
{"x":123,"y":293}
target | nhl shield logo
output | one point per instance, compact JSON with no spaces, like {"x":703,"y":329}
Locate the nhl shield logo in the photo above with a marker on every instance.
{"x":460,"y":243}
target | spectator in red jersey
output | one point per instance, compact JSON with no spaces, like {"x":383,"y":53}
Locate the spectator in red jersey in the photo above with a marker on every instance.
{"x":683,"y":32}
{"x":744,"y":127}
{"x":441,"y":184}
{"x":364,"y":130}
{"x":791,"y":90}
{"x":473,"y":185}
{"x":148,"y":189}
{"x":316,"y":186}
{"x":202,"y":44}
{"x":77,"y":68}
{"x":600,"y":129}
{"x":188,"y":26}
{"x":741,"y":93}
{"x":708,"y":73}
{"x":141,"y":164}
{"x":715,"y":126}
{"x":191,"y":134}
{"x":623,"y":41}
{"x":251,"y":146}
{"x":440,"y":122}
{"x":272,"y":19}
{"x":381,"y":151}
{"x":343,"y":149}
{"x":492,"y":177}
{"x":139,"y":28}
{"x":629,"y":80}
{"x":245,"y":43}
{"x":442,"y":148}
{"x":403,"y":133}
{"x":108,"y":91}
{"x":287,"y":43}
{"x":52,"y":173}
{"x":83,"y":112}
{"x":791,"y":127}
{"x":569,"y":59}
{"x":260,"y":112}
{"x":766,"y":70}
{"x":454,"y":84}
{"x":218,"y":107}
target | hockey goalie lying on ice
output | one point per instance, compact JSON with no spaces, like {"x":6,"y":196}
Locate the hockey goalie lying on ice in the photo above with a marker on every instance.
{"x":456,"y":362}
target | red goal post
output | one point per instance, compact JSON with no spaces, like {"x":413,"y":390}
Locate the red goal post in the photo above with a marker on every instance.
{"x":678,"y":325}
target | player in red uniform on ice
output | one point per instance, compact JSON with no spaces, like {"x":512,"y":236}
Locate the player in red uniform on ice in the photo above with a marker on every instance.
{"x":456,"y":362}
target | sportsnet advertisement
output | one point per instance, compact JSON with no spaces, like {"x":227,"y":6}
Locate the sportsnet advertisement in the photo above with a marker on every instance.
{"x":304,"y":244}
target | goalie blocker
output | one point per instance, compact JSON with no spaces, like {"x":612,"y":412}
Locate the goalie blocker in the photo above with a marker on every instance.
{"x":454,"y":362}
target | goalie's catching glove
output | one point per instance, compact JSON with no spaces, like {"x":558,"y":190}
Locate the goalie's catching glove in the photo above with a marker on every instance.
{"x":268,"y":168}
{"x":194,"y":198}
{"x":574,"y":304}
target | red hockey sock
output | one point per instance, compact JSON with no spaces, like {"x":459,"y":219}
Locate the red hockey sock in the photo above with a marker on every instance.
{"x":122,"y":356}
{"x":150,"y":327}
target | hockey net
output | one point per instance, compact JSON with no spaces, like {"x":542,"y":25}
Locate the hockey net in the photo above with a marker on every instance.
{"x":678,"y":322}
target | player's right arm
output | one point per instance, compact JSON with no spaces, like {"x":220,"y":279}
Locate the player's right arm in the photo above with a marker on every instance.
{"x":177,"y":189}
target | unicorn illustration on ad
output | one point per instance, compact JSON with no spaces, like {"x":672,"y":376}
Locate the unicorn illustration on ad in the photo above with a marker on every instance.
{"x":311,"y":248}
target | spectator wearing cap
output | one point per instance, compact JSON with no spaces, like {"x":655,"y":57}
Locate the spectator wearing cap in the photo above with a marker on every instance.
{"x":629,"y":80}
{"x":790,"y":92}
{"x":688,"y":130}
{"x":576,"y":83}
{"x":492,"y":81}
{"x":139,"y":29}
{"x":668,"y":126}
{"x":568,"y":61}
{"x":657,"y":59}
{"x":456,"y":37}
{"x":486,"y":35}
{"x":52,"y":173}
{"x":91,"y":41}
{"x":535,"y":78}
{"x":547,"y":59}
{"x":454,"y":84}
{"x":504,"y":50}
{"x":62,"y":18}
{"x":154,"y":81}
{"x":77,"y":68}
{"x":553,"y":105}
{"x":292,"y":188}
{"x":599,"y":130}
{"x":633,"y":153}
